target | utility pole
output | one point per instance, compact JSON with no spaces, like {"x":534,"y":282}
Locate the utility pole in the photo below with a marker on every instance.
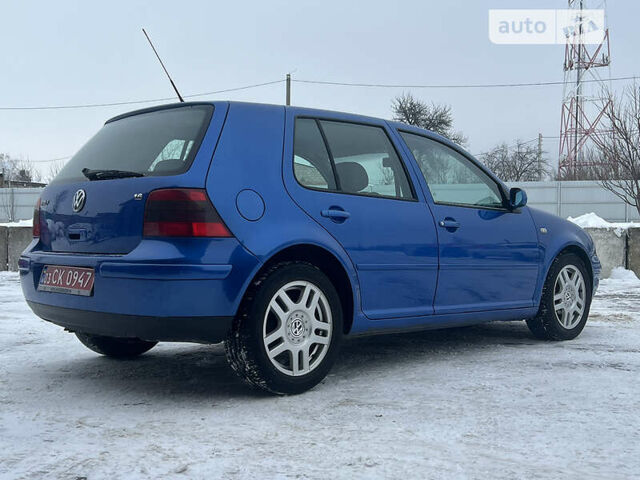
{"x":288,"y":89}
{"x":578,"y":151}
{"x":540,"y":156}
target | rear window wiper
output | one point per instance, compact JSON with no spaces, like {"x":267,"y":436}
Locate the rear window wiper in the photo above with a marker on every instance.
{"x":109,"y":174}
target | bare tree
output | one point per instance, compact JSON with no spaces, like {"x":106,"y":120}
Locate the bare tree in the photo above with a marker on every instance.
{"x":17,"y":169}
{"x":437,"y":118}
{"x":54,"y":170}
{"x":615,"y":159}
{"x":14,"y":171}
{"x":580,"y":172}
{"x":524,"y":163}
{"x":8,"y":204}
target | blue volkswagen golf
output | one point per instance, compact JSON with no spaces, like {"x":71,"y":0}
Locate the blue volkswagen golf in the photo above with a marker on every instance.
{"x":279,"y":230}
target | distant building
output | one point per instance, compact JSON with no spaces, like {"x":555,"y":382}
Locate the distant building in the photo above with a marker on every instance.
{"x":19,"y":183}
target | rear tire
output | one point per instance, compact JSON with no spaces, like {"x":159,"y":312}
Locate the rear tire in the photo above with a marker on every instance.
{"x":565,"y":302}
{"x":115,"y":347}
{"x":287,"y":333}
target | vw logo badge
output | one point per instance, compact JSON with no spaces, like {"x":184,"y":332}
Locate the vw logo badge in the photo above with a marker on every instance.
{"x":78,"y":200}
{"x":297,"y":328}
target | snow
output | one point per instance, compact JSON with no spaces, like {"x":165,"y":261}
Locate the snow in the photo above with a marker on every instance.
{"x":480,"y":402}
{"x":591,"y":220}
{"x":19,"y":223}
{"x":623,"y":276}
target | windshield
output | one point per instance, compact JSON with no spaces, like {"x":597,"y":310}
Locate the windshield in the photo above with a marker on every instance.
{"x":162,"y":142}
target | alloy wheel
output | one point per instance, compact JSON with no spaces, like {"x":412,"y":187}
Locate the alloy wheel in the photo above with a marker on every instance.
{"x":569,"y":296}
{"x":297,"y":328}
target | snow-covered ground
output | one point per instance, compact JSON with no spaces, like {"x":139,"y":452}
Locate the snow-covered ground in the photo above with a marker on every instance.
{"x":483,"y":402}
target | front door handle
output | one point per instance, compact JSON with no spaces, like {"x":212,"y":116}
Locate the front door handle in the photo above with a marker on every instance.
{"x":336,"y":214}
{"x":450,"y":224}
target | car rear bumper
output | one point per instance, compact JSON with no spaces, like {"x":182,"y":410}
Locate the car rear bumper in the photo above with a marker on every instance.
{"x":155,"y":292}
{"x":168,"y":329}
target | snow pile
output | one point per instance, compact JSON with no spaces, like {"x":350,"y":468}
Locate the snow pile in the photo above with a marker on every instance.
{"x":19,"y":223}
{"x":624,"y":277}
{"x":591,"y":220}
{"x":625,"y":285}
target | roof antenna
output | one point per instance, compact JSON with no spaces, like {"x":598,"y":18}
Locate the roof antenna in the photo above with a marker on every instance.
{"x":163,"y":67}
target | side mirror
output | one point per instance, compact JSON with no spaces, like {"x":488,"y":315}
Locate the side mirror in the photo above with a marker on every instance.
{"x":517,"y":198}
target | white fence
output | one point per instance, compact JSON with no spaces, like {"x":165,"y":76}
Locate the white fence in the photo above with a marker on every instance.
{"x":561,"y":198}
{"x":17,"y":203}
{"x":571,"y":199}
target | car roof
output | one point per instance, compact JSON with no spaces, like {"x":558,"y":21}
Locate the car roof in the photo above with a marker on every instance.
{"x":304,"y":111}
{"x":299,"y":110}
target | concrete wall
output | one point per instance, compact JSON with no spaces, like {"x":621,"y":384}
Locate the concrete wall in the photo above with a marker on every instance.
{"x":13,"y":241}
{"x":18,"y":239}
{"x":611,"y":248}
{"x":633,"y":250}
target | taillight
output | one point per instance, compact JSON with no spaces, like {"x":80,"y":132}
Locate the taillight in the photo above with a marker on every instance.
{"x":182,"y":212}
{"x":36,"y":220}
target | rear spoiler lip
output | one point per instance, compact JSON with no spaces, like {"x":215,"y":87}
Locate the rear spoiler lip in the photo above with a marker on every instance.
{"x":157,"y":108}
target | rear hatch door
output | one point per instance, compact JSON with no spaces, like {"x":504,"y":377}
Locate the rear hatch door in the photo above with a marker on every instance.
{"x":96,"y":203}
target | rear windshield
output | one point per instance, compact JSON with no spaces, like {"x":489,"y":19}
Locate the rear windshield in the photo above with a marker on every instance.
{"x":157,"y":143}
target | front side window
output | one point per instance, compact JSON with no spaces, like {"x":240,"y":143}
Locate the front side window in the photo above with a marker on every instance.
{"x":451,"y":177}
{"x":365,"y":161}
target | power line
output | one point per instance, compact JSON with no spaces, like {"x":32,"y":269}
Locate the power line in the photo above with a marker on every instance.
{"x":50,"y":160}
{"x":133,"y":102}
{"x":517,"y":144}
{"x":470,"y":85}
{"x":313,"y":82}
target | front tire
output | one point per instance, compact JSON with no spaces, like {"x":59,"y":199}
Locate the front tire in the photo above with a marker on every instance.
{"x":115,"y":347}
{"x":566,"y":299}
{"x":287,"y":333}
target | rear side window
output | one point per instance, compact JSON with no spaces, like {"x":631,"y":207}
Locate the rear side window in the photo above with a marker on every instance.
{"x":365,"y":160}
{"x":348,"y":157}
{"x":311,"y":163}
{"x":162,"y":142}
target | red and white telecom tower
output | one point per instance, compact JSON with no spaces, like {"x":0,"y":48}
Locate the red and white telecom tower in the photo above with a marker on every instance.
{"x":585,"y":96}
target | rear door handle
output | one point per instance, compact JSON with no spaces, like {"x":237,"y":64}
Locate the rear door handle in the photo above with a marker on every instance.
{"x":450,"y":224}
{"x":336,"y":214}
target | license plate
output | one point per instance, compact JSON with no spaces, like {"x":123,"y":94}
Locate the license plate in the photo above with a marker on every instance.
{"x":70,"y":280}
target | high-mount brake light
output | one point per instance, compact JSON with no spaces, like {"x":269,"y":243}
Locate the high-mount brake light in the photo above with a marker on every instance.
{"x":182,"y":212}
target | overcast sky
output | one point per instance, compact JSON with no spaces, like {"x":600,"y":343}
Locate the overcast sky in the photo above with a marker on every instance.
{"x":65,"y":52}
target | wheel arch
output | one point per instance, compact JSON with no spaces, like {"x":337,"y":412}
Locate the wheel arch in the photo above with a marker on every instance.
{"x":574,"y":248}
{"x":328,"y":263}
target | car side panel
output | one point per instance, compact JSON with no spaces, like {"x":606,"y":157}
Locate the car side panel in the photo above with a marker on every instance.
{"x":249,"y":159}
{"x":491,"y":261}
{"x":254,"y":137}
{"x":560,"y":234}
{"x":392,"y":242}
